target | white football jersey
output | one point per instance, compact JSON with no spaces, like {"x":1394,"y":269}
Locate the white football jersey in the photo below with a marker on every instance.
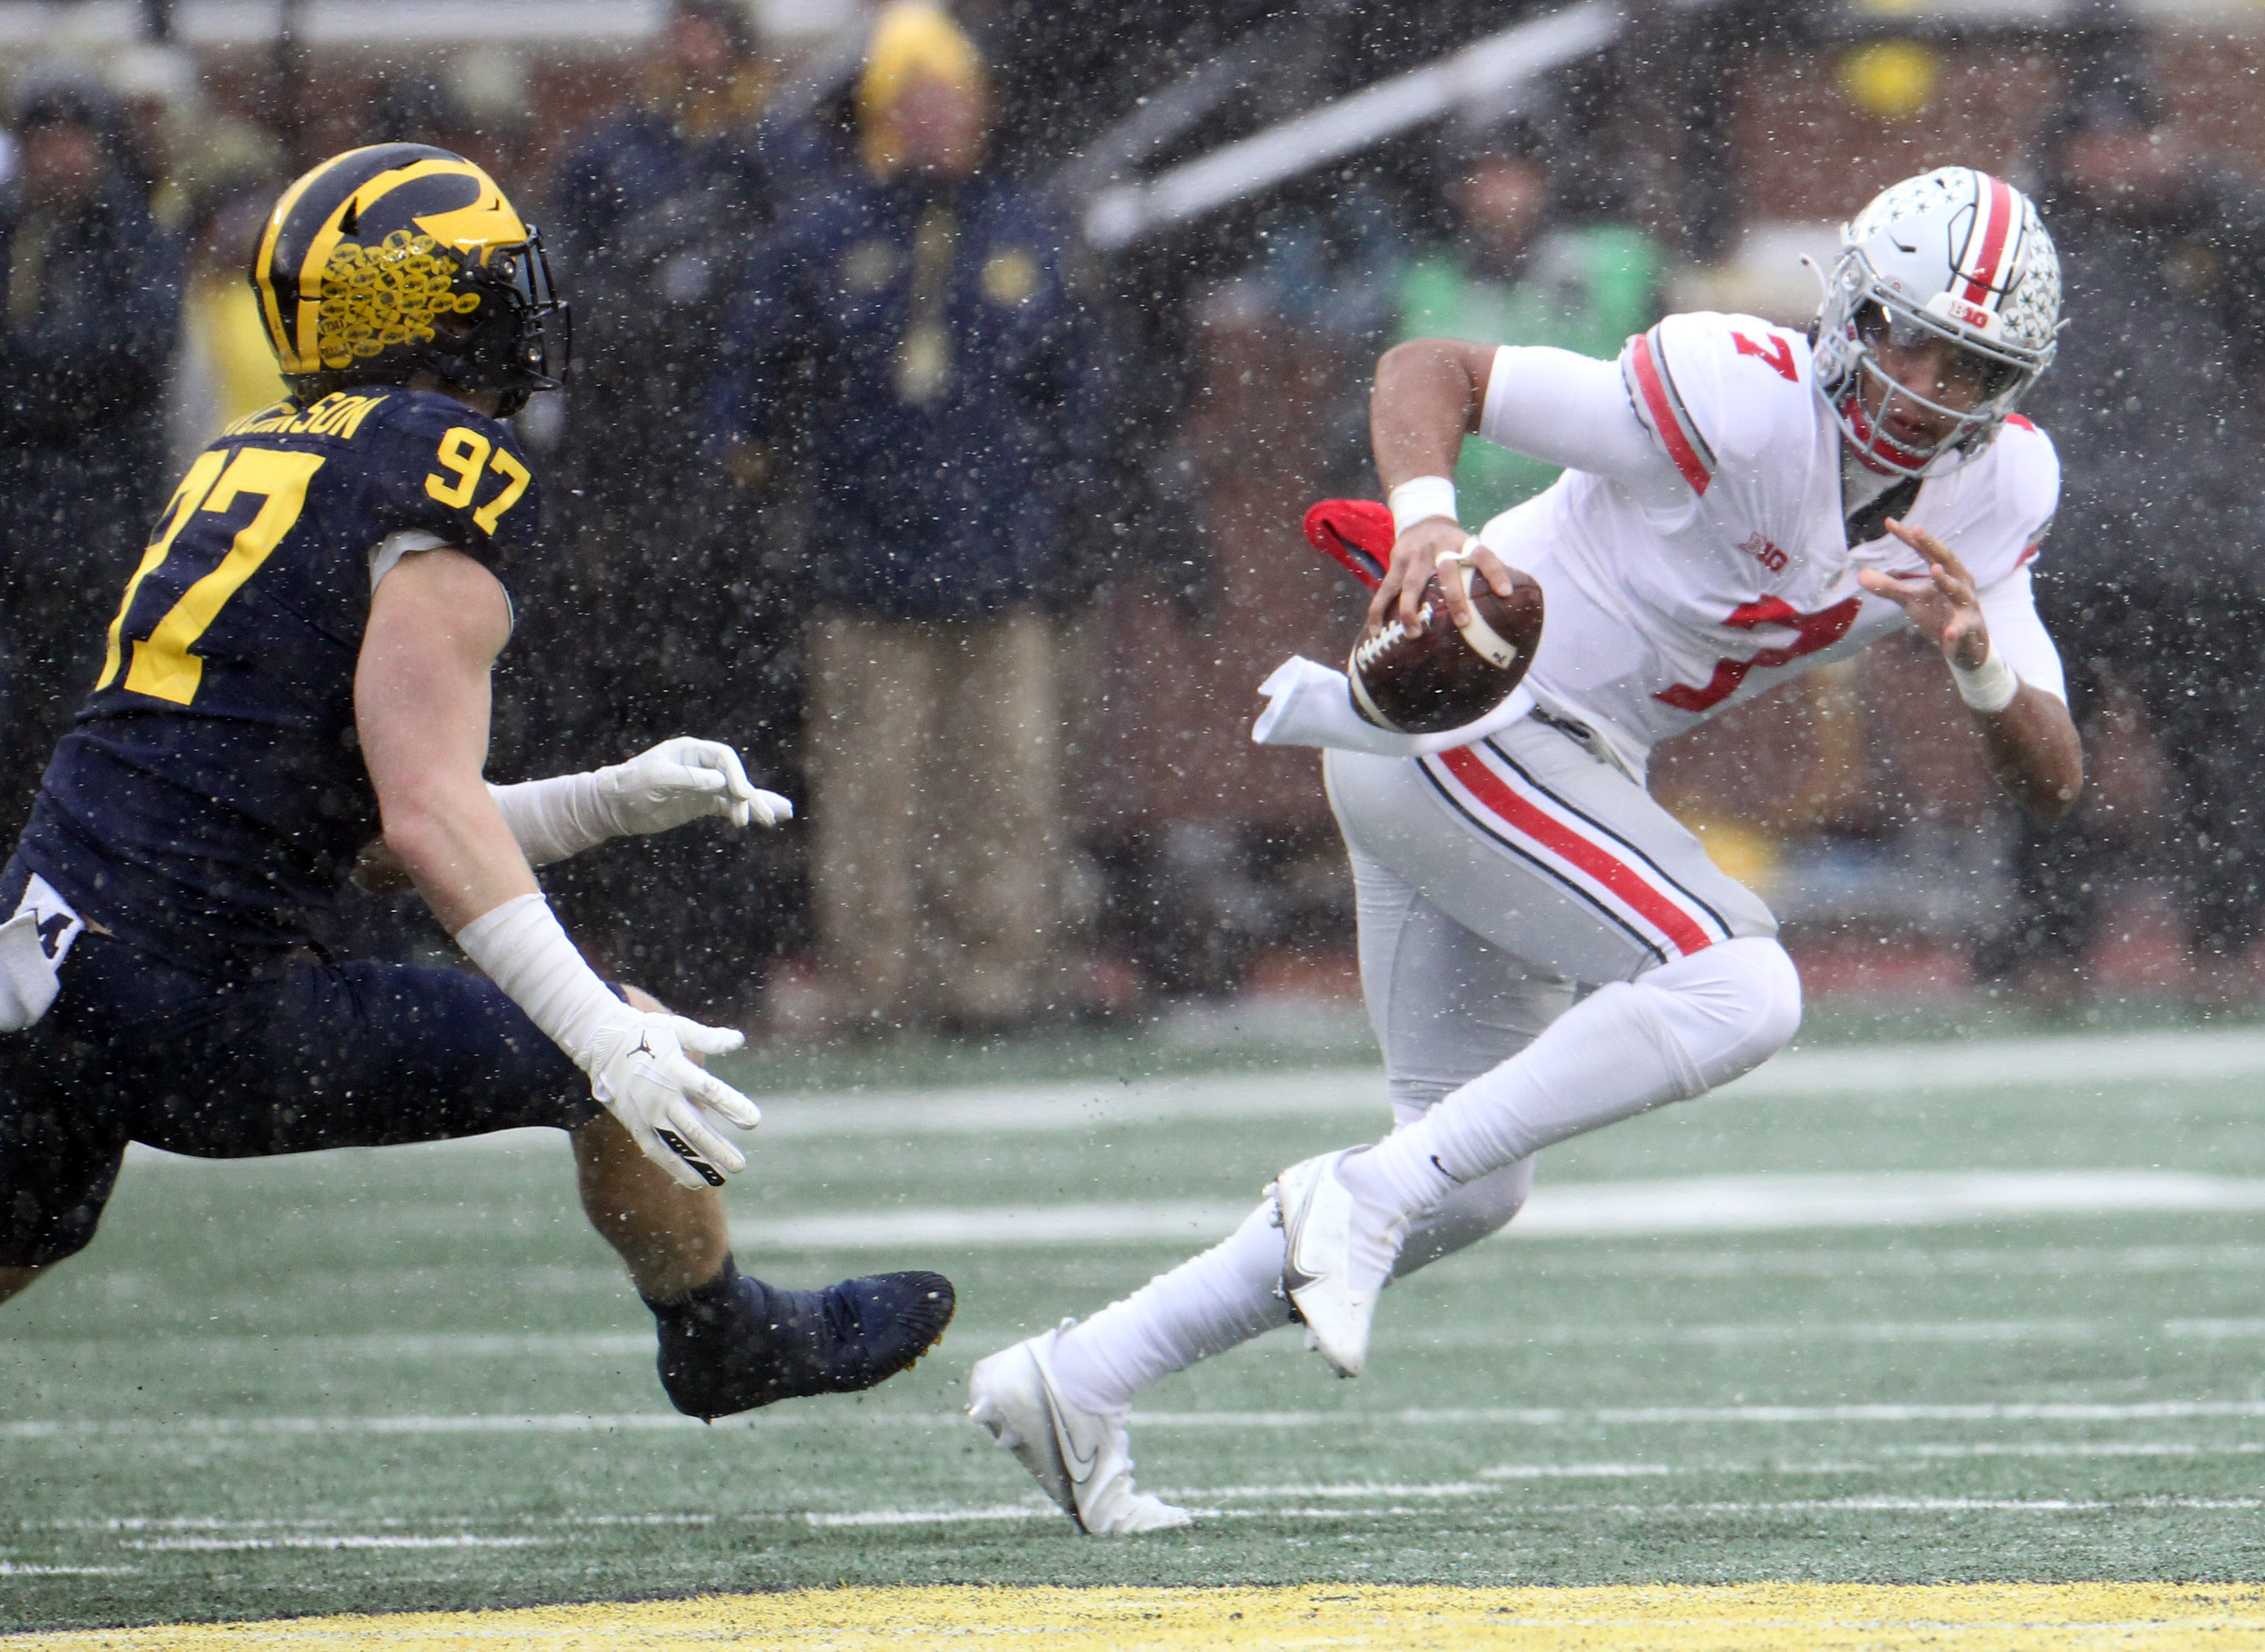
{"x":1660,"y":614}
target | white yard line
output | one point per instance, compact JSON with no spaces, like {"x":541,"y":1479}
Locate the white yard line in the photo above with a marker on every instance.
{"x":2086,"y":1064}
{"x":1567,"y":1210}
{"x":2078,"y":1448}
{"x":1947,"y":1505}
{"x":2091,"y":1062}
{"x":934,"y":1516}
{"x":1876,"y":1261}
{"x":342,"y":1541}
{"x":364,"y":1349}
{"x":1551,"y":1417}
{"x":359,"y":1347}
{"x":1181,"y":1221}
{"x":1434,"y":1494}
{"x":1752,"y":1204}
{"x":144,"y":1429}
{"x":1642,"y":1209}
{"x":1512,"y":1334}
{"x":227,"y":1523}
{"x":1500,"y":1482}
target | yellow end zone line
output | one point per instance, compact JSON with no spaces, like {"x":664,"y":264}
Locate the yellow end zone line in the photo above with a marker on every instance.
{"x":1731,"y":1618}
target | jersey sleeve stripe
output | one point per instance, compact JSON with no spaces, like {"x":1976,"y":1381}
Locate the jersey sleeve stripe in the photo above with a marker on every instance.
{"x":1663,"y":410}
{"x":1521,"y":822}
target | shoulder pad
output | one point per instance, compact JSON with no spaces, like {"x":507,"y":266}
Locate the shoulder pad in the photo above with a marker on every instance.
{"x":1997,"y":509}
{"x":438,"y":467}
{"x":1714,"y":390}
{"x":427,"y":412}
{"x":2028,"y":480}
{"x":2026,"y":470}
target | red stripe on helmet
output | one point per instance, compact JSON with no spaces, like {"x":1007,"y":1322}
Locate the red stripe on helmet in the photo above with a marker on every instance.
{"x":1999,"y":230}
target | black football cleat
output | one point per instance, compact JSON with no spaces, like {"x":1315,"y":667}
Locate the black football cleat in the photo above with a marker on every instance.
{"x":736,"y":1344}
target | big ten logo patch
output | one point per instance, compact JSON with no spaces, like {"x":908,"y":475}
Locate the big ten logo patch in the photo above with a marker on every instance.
{"x":1764,"y":553}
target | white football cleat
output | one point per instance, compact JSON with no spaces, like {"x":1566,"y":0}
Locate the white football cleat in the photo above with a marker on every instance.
{"x":1083,"y":1459}
{"x":1338,"y":1253}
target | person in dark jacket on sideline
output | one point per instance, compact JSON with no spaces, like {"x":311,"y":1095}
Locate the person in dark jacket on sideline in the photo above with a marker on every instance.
{"x":649,"y":212}
{"x":2154,"y":575}
{"x":90,"y":305}
{"x":949,"y":381}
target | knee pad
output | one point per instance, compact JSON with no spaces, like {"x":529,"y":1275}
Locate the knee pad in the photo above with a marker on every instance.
{"x":1731,"y":1007}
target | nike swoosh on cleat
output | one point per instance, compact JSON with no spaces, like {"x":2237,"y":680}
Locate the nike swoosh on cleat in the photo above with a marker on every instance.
{"x":1081,"y":1468}
{"x":1294,"y":1278}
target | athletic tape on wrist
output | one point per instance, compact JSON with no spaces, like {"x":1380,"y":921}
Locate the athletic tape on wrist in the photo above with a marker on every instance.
{"x":554,"y":818}
{"x":1416,"y":501}
{"x":525,"y":952}
{"x":1989,"y":687}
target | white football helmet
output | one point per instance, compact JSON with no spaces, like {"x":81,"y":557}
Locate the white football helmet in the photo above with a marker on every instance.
{"x":1958,"y":254}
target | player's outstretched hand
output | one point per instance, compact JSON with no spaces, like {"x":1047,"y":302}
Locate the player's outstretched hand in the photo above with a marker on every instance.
{"x":639,"y":1067}
{"x":681,"y":780}
{"x":1943,"y":605}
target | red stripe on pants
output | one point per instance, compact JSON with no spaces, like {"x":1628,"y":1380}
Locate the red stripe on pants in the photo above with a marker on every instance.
{"x":1623,"y":879}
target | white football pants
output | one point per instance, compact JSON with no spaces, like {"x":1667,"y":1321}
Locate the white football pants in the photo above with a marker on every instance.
{"x":1494,"y":885}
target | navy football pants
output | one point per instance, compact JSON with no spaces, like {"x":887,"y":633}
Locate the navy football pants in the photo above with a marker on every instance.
{"x":295,"y":1055}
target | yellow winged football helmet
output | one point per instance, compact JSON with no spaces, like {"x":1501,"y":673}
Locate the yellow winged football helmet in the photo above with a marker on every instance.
{"x":369,"y":261}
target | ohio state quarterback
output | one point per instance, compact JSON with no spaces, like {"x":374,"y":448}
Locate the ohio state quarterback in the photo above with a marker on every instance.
{"x":1544,"y":950}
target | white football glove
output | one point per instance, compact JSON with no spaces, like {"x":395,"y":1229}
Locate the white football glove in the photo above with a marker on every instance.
{"x":638,"y":1069}
{"x":682,"y":780}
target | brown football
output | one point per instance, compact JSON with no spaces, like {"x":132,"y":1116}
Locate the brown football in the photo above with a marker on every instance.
{"x":1436,"y":678}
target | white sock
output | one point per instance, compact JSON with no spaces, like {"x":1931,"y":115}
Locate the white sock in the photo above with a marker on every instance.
{"x":1684,"y":1027}
{"x":1625,"y":1048}
{"x":1397,"y":1183}
{"x":1205,"y":1306}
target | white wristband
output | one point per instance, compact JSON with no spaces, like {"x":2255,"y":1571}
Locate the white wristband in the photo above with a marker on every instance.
{"x":1989,"y":687}
{"x":553,"y":819}
{"x":1416,"y":501}
{"x":526,"y":953}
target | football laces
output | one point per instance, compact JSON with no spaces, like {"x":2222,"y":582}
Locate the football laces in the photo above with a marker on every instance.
{"x":1388,"y":635}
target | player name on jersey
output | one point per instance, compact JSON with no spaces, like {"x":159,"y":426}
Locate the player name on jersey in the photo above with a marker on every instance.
{"x":338,"y":415}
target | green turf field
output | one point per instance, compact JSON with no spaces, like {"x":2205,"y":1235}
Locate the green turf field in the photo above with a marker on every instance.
{"x":1974,"y":1310}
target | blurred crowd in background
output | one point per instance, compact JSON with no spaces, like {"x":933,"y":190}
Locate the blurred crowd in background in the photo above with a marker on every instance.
{"x":921,"y":447}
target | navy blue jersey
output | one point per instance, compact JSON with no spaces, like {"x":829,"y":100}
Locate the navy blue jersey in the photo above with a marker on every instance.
{"x":211,"y":796}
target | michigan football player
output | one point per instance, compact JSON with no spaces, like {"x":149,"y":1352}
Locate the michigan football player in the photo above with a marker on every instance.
{"x":301,"y":664}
